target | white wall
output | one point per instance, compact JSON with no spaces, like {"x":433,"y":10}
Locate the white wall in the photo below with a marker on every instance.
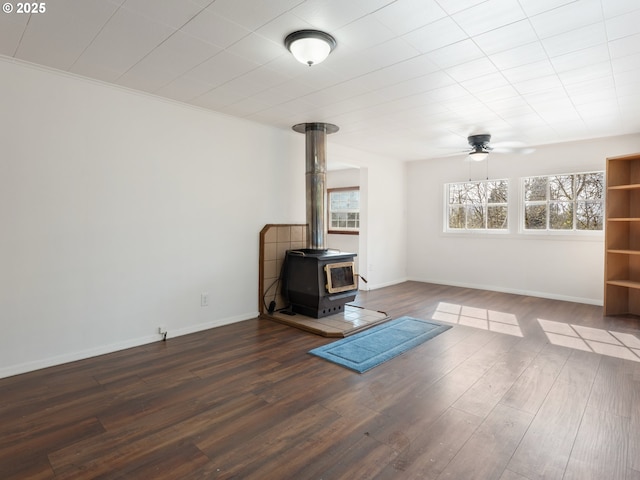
{"x":383,"y":223}
{"x":563,"y":267}
{"x":119,"y":209}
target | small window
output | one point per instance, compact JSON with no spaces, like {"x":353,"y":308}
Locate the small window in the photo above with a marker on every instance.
{"x":344,"y":210}
{"x":478,"y":206}
{"x":572,"y":202}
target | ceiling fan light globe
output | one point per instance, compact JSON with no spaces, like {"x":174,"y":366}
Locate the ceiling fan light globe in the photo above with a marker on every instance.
{"x":476,"y":156}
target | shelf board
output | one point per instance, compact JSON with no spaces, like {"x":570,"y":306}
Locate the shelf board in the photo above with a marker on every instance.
{"x":631,"y":186}
{"x":624,"y":219}
{"x":624,"y":283}
{"x":624,"y":252}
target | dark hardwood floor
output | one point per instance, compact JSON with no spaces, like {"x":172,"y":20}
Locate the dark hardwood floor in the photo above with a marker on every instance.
{"x":246,"y":401}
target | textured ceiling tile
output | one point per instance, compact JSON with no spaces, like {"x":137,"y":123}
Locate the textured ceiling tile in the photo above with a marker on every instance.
{"x":535,"y":7}
{"x":404,"y":16}
{"x":454,"y":6}
{"x":174,"y":13}
{"x":567,"y":17}
{"x":125,"y":40}
{"x":489,"y":15}
{"x":575,"y":40}
{"x":11,"y":29}
{"x":623,"y":25}
{"x":456,"y":54}
{"x":215,"y":29}
{"x":516,"y":57}
{"x":435,"y":35}
{"x":504,"y":38}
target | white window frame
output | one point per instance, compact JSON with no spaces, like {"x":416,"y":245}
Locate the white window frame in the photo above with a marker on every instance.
{"x":342,"y":230}
{"x":485,"y":206}
{"x":548,"y":202}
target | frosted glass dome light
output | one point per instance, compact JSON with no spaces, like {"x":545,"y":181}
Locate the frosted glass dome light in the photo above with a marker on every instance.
{"x":310,"y":46}
{"x":478,"y":155}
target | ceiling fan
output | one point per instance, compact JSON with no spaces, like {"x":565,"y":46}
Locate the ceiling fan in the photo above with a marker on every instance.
{"x":480,"y":147}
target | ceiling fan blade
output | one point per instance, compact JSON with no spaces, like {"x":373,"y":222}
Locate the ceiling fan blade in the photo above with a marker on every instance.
{"x":480,"y":145}
{"x":455,"y":154}
{"x":517,"y":151}
{"x":512,"y":147}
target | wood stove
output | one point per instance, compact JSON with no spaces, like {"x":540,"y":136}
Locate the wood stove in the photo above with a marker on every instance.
{"x":319,"y":283}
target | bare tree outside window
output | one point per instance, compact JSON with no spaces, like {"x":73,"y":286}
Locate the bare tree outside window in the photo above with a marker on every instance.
{"x":590,"y":195}
{"x":478,"y":205}
{"x":564,"y":202}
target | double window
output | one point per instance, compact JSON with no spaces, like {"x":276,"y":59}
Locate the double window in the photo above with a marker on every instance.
{"x":563,"y":202}
{"x":478,"y":205}
{"x":569,"y":203}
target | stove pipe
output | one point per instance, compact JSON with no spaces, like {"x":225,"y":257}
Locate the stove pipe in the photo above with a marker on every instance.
{"x":316,"y":173}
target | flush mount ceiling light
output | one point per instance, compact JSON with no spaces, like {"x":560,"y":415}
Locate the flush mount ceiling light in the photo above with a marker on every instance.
{"x":310,"y":46}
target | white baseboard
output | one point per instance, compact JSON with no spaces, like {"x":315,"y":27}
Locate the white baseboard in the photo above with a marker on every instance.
{"x":516,"y":291}
{"x":213,"y":324}
{"x":115,"y":347}
{"x":375,"y":286}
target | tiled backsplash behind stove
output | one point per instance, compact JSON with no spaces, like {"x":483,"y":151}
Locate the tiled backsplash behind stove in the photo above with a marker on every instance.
{"x":275,"y":240}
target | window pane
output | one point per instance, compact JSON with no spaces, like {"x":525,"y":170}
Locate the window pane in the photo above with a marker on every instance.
{"x":497,"y":217}
{"x":456,"y":193}
{"x":561,"y":216}
{"x":338,"y":219}
{"x":590,"y":186}
{"x":535,"y":189}
{"x":561,"y":187}
{"x":456,"y":217}
{"x":535,"y":217}
{"x":476,"y":193}
{"x":475,"y":217}
{"x":497,"y":191}
{"x":589,"y":216}
{"x":354,"y":200}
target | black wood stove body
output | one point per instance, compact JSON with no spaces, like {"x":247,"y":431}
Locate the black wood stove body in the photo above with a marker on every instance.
{"x":319,"y":283}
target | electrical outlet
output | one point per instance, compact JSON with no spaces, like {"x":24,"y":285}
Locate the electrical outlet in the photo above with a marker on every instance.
{"x":162,"y":330}
{"x":204,"y":300}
